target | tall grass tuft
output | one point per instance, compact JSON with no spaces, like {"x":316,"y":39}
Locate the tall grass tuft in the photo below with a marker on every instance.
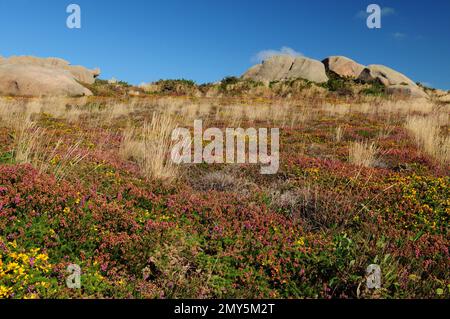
{"x":363,"y":153}
{"x":339,"y":133}
{"x":150,"y":147}
{"x":32,"y":145}
{"x":426,"y":134}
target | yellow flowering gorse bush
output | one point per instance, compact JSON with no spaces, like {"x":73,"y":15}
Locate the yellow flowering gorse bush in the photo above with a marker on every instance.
{"x":23,"y":273}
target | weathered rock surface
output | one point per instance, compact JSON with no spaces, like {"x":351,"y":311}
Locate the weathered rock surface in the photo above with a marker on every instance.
{"x":445,"y":98}
{"x":440,"y":93}
{"x":384,"y":75}
{"x":80,"y":73}
{"x":406,"y":90}
{"x":343,"y":66}
{"x":37,"y":80}
{"x":284,"y":67}
{"x":395,"y":82}
{"x":253,"y":72}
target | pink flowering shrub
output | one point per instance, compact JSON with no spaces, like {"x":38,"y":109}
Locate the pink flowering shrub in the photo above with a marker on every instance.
{"x":144,"y":243}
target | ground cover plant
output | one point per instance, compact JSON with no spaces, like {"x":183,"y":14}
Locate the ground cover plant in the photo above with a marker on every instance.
{"x":85,"y":181}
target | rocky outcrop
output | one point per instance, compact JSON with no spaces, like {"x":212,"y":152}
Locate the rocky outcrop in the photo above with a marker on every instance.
{"x":440,"y":93}
{"x":284,"y":67}
{"x":253,"y":72}
{"x":343,"y":66}
{"x":37,"y":80}
{"x":406,"y":90}
{"x":384,"y":75}
{"x":80,"y":73}
{"x":445,"y":98}
{"x":395,"y":82}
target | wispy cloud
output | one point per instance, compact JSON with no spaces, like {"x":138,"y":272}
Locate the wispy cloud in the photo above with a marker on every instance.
{"x":265,"y":54}
{"x":385,"y":12}
{"x":399,"y":35}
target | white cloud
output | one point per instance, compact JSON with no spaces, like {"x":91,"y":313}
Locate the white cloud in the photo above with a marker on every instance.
{"x":385,"y":12}
{"x":265,"y":54}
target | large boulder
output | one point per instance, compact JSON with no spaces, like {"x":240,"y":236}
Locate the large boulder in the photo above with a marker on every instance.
{"x":343,"y":66}
{"x":253,"y":72}
{"x":445,"y":98}
{"x":275,"y":68}
{"x":396,"y":83}
{"x":36,"y":80}
{"x":284,"y":67}
{"x":384,"y":75}
{"x":406,"y":90}
{"x":80,"y":73}
{"x":440,"y":93}
{"x":52,"y":62}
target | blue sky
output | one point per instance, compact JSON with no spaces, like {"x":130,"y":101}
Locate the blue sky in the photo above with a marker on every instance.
{"x":205,"y":40}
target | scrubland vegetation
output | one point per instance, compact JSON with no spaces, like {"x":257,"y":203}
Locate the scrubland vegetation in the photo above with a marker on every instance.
{"x":364,"y":179}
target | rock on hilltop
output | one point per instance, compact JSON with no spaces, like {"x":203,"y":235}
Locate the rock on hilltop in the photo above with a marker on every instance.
{"x":80,"y":73}
{"x":395,"y":82}
{"x":284,"y":67}
{"x":33,"y":76}
{"x":384,"y":75}
{"x":343,"y":66}
{"x":35,"y":80}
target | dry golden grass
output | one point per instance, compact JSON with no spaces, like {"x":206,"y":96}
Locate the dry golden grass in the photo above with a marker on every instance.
{"x":401,"y":107}
{"x":281,"y":114}
{"x":150,"y":148}
{"x":26,"y":140}
{"x":74,"y":114}
{"x":33,"y":146}
{"x":70,"y":109}
{"x":363,"y":153}
{"x":427,"y":135}
{"x":157,"y":144}
{"x":131,"y":146}
{"x":339,"y":133}
{"x":376,"y":105}
{"x":12,"y":114}
{"x":149,"y":145}
{"x":336,"y":110}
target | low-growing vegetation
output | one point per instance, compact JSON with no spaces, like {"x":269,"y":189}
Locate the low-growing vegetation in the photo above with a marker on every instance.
{"x":89,"y":182}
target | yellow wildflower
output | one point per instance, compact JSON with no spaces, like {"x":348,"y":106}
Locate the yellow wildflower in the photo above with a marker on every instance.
{"x":5,"y":291}
{"x":300,"y":242}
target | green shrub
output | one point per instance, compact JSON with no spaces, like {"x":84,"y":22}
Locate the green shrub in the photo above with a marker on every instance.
{"x":233,"y":85}
{"x":340,"y":85}
{"x":230,"y":80}
{"x":176,"y":86}
{"x":375,"y":89}
{"x":123,"y":83}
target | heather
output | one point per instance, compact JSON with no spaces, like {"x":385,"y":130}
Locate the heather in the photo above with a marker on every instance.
{"x":82,"y":181}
